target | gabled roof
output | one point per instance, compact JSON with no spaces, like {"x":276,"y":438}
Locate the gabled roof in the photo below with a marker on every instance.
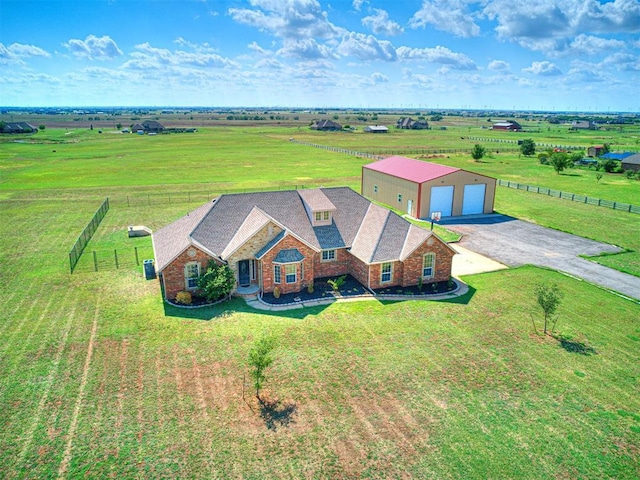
{"x":617,"y":155}
{"x":373,"y":233}
{"x":172,"y":240}
{"x":410,"y":169}
{"x":316,"y":200}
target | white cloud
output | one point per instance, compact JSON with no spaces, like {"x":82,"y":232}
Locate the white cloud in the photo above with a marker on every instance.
{"x":15,"y":52}
{"x":94,"y":48}
{"x":590,"y":45}
{"x":377,"y":77}
{"x":307,"y":49}
{"x":147,"y":56}
{"x":440,"y":55}
{"x":381,"y":24}
{"x":198,"y":47}
{"x":546,"y":69}
{"x":357,"y":4}
{"x":366,"y":47}
{"x":287,"y":19}
{"x":446,"y":15}
{"x":549,"y":25}
{"x":498,"y":65}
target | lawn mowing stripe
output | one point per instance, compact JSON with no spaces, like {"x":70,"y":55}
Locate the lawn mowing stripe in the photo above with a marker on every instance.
{"x":83,"y":383}
{"x":26,"y":296}
{"x":53,"y":371}
{"x":202,"y":407}
{"x":180,"y":411}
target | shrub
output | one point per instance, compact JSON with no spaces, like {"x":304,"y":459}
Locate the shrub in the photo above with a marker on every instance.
{"x":420,"y":283}
{"x":183,"y":298}
{"x":310,"y":288}
{"x":337,"y":283}
{"x":217,"y":282}
{"x":276,"y":292}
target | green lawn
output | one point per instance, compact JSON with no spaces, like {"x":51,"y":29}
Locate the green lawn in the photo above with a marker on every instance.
{"x":98,"y":378}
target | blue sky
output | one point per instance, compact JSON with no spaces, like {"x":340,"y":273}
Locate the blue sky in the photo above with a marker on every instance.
{"x":502,"y":54}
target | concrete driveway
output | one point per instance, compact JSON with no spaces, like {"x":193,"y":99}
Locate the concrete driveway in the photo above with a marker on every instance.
{"x":516,"y":242}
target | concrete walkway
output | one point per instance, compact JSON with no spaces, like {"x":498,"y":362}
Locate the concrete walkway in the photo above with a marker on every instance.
{"x":516,"y":242}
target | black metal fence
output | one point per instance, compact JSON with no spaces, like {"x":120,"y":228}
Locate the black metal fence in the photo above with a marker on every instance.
{"x":538,"y":144}
{"x":87,"y":233}
{"x":626,"y":207}
{"x":101,"y":260}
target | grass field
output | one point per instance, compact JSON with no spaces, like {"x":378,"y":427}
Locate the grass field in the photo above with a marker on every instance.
{"x":98,"y":378}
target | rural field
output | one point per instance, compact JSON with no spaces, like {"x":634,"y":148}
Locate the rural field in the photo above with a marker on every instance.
{"x":100,"y":378}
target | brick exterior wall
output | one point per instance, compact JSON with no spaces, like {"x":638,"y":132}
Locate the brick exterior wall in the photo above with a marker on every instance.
{"x":413,"y":265}
{"x":359,"y":270}
{"x":335,"y":268}
{"x":287,"y":242}
{"x":173,"y":274}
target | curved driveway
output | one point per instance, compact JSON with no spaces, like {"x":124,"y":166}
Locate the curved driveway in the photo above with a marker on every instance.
{"x":516,"y":242}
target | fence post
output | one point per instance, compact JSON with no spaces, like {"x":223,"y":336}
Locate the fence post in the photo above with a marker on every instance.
{"x":70,"y":263}
{"x":137,"y":259}
{"x":95,"y":261}
{"x":115,"y":255}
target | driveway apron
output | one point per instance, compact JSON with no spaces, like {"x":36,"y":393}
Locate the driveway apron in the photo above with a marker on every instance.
{"x":516,"y":242}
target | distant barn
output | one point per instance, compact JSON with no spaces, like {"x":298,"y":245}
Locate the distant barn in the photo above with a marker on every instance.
{"x":510,"y":126}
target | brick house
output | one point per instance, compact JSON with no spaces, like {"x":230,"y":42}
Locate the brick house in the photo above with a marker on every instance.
{"x":290,"y":238}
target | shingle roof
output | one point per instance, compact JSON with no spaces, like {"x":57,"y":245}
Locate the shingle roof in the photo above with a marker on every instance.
{"x":316,"y":200}
{"x":632,"y":159}
{"x":410,"y":169}
{"x":290,"y":255}
{"x":170,"y":241}
{"x":373,"y":233}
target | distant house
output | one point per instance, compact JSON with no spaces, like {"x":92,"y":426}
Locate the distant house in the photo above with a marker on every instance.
{"x":137,"y":128}
{"x":408,"y":123}
{"x":326,"y":126}
{"x":421,"y":188}
{"x":510,"y":126}
{"x":616,"y":155}
{"x":632,"y":162}
{"x":18,"y":127}
{"x":595,"y":150}
{"x":151,"y":126}
{"x":288,"y":239}
{"x":376,"y":129}
{"x":583,"y":125}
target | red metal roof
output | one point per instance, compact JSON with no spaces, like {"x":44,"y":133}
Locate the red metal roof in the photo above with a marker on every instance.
{"x":410,"y":169}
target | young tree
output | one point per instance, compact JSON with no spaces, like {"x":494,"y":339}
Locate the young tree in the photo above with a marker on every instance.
{"x":260,"y":359}
{"x":549,"y":297}
{"x":528,"y":147}
{"x":217,"y":282}
{"x":559,"y":161}
{"x":478,"y":152}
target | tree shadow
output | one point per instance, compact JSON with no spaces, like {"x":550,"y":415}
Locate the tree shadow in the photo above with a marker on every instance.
{"x":277,"y":414}
{"x":572,"y":345}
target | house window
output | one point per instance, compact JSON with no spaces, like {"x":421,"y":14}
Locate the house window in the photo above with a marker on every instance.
{"x":428,"y":264}
{"x":191,"y":275}
{"x":328,"y":255}
{"x":325,"y":215}
{"x":318,"y":216}
{"x":375,"y":189}
{"x":290,"y":273}
{"x":400,"y":197}
{"x":385,"y":273}
{"x":276,"y":274}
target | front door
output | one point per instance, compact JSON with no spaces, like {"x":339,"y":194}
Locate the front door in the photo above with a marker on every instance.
{"x":244,"y":276}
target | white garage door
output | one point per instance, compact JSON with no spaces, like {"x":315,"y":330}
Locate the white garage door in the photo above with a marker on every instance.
{"x":441,"y":200}
{"x":473,"y":200}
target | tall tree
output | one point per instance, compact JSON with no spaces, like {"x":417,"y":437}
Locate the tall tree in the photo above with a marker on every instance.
{"x":559,"y":161}
{"x":260,"y":359}
{"x":478,"y":152}
{"x":528,"y":147}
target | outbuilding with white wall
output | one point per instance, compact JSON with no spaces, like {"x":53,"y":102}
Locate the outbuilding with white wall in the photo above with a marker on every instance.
{"x":420,"y":188}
